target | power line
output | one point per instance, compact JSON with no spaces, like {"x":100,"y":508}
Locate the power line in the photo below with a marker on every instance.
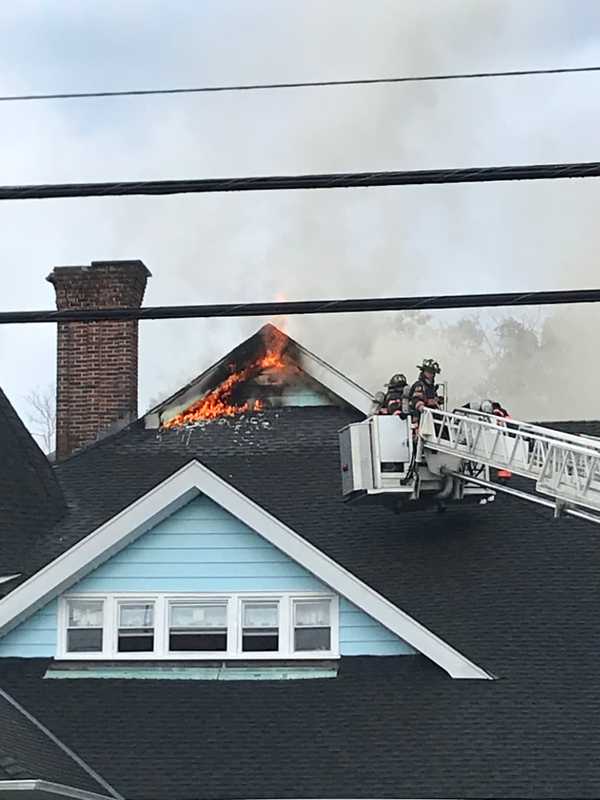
{"x":457,"y":76}
{"x":293,"y":307}
{"x":339,"y":180}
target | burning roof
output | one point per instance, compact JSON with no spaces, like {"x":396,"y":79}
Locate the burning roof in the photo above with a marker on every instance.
{"x":243,"y":389}
{"x":269,"y":370}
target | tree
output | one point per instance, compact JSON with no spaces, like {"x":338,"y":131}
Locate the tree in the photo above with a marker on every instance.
{"x":42,"y":416}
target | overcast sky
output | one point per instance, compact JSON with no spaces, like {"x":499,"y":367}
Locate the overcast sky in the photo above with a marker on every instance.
{"x":347,"y":242}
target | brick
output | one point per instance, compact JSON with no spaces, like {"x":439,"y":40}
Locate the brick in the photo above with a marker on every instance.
{"x":97,"y":363}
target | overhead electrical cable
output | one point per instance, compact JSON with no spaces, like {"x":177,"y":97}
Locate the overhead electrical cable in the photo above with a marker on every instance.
{"x":337,"y":180}
{"x":251,"y":87}
{"x":292,"y":307}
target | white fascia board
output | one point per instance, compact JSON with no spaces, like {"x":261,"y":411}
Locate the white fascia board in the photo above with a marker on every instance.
{"x":48,"y":788}
{"x":175,"y":491}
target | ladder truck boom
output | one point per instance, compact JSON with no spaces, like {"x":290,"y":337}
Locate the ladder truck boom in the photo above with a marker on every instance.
{"x":564,"y":466}
{"x":449,"y":459}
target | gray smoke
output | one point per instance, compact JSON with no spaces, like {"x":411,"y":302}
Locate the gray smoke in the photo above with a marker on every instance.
{"x":339,"y":243}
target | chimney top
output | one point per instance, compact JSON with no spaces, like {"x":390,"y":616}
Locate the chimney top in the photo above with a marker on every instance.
{"x":133,"y":265}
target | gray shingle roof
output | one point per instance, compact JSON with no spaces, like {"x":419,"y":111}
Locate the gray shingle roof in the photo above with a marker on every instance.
{"x":30,"y":496}
{"x":393,"y":727}
{"x":27,"y":753}
{"x":510,"y":587}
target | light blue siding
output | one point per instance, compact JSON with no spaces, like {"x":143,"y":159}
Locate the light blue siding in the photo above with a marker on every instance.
{"x":298,"y":395}
{"x":361,"y":635}
{"x":34,"y":638}
{"x":203,"y":548}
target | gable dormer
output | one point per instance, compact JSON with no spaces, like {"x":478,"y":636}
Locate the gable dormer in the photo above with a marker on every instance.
{"x":268,"y":371}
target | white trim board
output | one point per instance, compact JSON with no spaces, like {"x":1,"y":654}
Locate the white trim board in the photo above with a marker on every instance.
{"x":165,"y":498}
{"x":47,"y":788}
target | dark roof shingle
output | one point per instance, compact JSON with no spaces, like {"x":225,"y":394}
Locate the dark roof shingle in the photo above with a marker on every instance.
{"x":513,"y":589}
{"x":385,"y":727}
{"x":27,"y":753}
{"x":31,"y":499}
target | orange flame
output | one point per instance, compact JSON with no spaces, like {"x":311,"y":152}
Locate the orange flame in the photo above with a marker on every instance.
{"x":218,"y":402}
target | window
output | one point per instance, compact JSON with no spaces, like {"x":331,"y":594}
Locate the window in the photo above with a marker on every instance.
{"x":312,"y":625}
{"x":198,"y":627}
{"x":85,"y":626}
{"x":136,"y":628}
{"x":260,"y":627}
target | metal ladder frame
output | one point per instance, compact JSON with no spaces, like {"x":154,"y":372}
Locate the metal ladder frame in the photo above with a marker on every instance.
{"x":564,"y":466}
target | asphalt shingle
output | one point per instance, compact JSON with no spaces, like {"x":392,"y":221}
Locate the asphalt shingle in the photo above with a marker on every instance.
{"x":506,"y":584}
{"x":31,"y":499}
{"x":27,"y":753}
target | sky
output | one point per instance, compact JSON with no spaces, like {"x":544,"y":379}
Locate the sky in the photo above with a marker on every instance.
{"x":311,"y":244}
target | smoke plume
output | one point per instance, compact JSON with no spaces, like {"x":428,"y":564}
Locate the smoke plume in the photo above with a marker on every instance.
{"x":315,"y":244}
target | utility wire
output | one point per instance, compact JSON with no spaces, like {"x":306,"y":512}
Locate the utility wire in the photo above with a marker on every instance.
{"x":307,"y":307}
{"x":458,"y":76}
{"x":529,"y":172}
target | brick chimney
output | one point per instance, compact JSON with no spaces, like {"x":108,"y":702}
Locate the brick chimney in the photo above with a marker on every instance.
{"x":97,"y":362}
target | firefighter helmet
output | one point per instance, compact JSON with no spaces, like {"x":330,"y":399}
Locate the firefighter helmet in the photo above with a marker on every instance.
{"x":398,"y":380}
{"x":430,"y":365}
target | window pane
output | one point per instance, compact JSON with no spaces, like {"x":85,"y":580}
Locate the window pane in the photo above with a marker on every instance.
{"x":199,"y":616}
{"x":200,"y":627}
{"x":136,"y":641}
{"x":260,"y":641}
{"x":261,"y":615}
{"x":312,"y":613}
{"x":312,"y":639}
{"x":84,"y":640}
{"x":136,"y":615}
{"x":199,"y":641}
{"x":85,"y":613}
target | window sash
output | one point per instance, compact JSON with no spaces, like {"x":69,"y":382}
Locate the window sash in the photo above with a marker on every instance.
{"x":312,"y":625}
{"x":312,"y":616}
{"x":260,"y":614}
{"x":198,"y":627}
{"x":139,"y":615}
{"x":208,"y":620}
{"x":83,"y":617}
{"x":84,"y":627}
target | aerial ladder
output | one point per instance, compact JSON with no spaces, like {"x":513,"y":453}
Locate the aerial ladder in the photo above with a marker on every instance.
{"x":452,"y":455}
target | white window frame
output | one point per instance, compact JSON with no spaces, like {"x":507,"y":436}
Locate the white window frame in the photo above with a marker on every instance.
{"x":162,"y":601}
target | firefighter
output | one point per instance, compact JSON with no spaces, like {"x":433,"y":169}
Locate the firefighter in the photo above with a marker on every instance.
{"x":393,"y":399}
{"x":423,"y":393}
{"x":502,"y":414}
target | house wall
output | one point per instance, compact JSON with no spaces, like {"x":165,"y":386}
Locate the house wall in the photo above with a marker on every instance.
{"x":202,"y":548}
